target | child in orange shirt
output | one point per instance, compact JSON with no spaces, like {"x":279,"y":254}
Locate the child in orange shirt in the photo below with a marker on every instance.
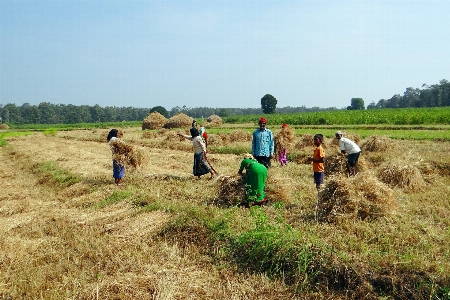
{"x":318,"y":161}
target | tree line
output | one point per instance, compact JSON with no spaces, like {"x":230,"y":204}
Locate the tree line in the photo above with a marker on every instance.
{"x":48,"y":113}
{"x":429,"y":96}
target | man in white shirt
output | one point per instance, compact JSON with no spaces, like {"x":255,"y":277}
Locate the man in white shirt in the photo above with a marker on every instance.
{"x":351,"y":149}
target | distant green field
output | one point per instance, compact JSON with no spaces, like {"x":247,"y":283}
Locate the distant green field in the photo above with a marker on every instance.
{"x":403,"y":116}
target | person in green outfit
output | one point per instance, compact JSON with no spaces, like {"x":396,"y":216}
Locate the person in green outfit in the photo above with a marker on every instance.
{"x":255,"y":180}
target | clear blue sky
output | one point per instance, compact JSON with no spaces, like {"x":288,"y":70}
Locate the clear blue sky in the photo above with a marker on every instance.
{"x":219,"y":53}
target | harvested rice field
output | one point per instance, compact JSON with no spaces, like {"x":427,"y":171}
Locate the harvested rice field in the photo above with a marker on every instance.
{"x":68,"y":232}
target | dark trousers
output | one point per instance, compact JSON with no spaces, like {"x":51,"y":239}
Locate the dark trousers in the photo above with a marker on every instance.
{"x":264,"y":160}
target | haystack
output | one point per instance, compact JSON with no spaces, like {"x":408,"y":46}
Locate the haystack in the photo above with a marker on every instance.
{"x":306,"y":140}
{"x":179,"y":121}
{"x":231,"y":191}
{"x":4,"y":126}
{"x":214,"y":121}
{"x":126,"y":154}
{"x":359,"y":197}
{"x":403,"y":175}
{"x":155,"y":120}
{"x":378,"y":144}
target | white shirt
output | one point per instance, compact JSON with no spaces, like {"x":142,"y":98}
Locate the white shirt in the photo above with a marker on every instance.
{"x":197,"y":142}
{"x":349,"y":146}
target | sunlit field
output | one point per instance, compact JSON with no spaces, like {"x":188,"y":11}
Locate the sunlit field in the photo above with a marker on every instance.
{"x":69,"y":233}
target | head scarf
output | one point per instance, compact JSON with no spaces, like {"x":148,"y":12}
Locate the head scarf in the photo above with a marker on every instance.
{"x":284,"y":125}
{"x":248,"y":155}
{"x":112,"y":133}
{"x":262,"y":120}
{"x":194,"y":132}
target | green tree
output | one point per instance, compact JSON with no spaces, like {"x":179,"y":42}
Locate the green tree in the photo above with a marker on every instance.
{"x":356,"y":104}
{"x":161,"y":110}
{"x":268,"y":104}
{"x":223,"y":112}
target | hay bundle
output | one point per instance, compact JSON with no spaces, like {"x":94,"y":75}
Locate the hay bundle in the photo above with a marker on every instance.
{"x":278,"y":188}
{"x":214,"y":121}
{"x":179,"y":121}
{"x":378,"y":199}
{"x":224,"y":137}
{"x":126,"y":154}
{"x":401,"y":174}
{"x":362,"y":197}
{"x":284,"y":138}
{"x":154,"y":120}
{"x":215,"y":140}
{"x":306,"y":140}
{"x":4,"y":126}
{"x":231,"y":191}
{"x":240,"y":136}
{"x":335,"y":200}
{"x":378,"y":143}
{"x":335,"y":164}
{"x":173,"y":136}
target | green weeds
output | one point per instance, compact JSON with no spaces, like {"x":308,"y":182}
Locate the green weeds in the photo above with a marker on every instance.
{"x":52,"y":171}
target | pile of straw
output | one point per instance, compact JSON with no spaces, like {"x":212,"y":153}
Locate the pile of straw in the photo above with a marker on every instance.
{"x":284,"y":138}
{"x":402,"y":175}
{"x":126,"y":154}
{"x":306,"y":140}
{"x":178,"y":121}
{"x":231,"y":191}
{"x":4,"y":126}
{"x":378,"y":144}
{"x":150,"y":134}
{"x":335,"y":164}
{"x":359,"y":197}
{"x":154,"y":120}
{"x":240,"y":136}
{"x":214,"y":121}
{"x":215,"y":139}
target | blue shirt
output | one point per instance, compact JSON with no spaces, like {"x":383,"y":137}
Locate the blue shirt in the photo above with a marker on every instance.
{"x":262,"y":143}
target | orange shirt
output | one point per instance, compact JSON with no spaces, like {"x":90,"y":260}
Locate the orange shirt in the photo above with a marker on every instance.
{"x":318,"y":154}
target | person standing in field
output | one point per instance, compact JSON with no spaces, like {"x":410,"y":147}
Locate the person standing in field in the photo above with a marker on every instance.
{"x":352,"y":151}
{"x":114,"y":136}
{"x":255,"y":180}
{"x":283,"y":140}
{"x":263,"y":144}
{"x":318,"y":161}
{"x":204,"y":135}
{"x":201,"y":165}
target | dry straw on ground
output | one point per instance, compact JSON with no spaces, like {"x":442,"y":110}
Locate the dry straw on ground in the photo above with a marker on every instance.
{"x":403,"y":175}
{"x":4,"y":126}
{"x":126,"y":154}
{"x":362,"y":196}
{"x":155,"y":120}
{"x":231,"y":191}
{"x":240,"y":136}
{"x":179,"y":121}
{"x":378,"y":144}
{"x":214,"y":121}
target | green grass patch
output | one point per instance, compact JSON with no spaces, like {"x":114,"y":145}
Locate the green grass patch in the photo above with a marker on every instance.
{"x":51,"y":171}
{"x":115,"y":197}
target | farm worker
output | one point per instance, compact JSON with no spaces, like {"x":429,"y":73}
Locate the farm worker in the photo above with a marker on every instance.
{"x":282,"y":141}
{"x":351,"y":149}
{"x":255,"y":180}
{"x":201,"y":163}
{"x":263,"y":144}
{"x":114,"y":136}
{"x":204,"y":135}
{"x":318,"y":160}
